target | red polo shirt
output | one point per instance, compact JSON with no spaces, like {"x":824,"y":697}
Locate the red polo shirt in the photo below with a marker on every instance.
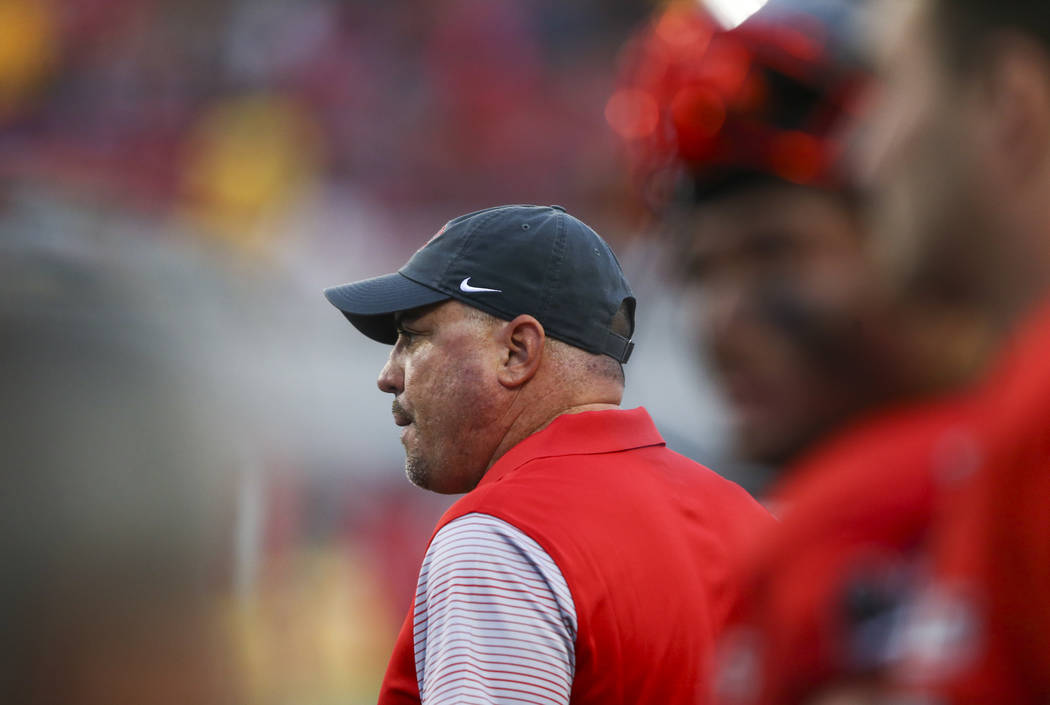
{"x":644,"y":539}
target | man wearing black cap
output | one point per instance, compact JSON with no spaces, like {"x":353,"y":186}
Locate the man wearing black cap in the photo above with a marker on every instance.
{"x":586,"y":563}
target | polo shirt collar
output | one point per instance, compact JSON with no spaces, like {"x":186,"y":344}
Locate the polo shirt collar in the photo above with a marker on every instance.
{"x":585,"y":433}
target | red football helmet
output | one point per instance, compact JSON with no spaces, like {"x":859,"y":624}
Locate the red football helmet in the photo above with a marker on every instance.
{"x":698,"y":104}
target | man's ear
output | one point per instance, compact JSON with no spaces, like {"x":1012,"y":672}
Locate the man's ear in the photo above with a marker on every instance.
{"x":1018,"y":92}
{"x":523,"y":346}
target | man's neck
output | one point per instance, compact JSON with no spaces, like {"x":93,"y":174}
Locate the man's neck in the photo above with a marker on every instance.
{"x":1022,"y":279}
{"x":525,"y":427}
{"x":579,"y":409}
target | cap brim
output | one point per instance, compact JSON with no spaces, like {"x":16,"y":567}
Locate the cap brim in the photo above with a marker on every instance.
{"x":370,"y":304}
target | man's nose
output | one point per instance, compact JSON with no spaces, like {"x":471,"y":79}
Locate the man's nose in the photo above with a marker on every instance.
{"x":873,"y":141}
{"x":723,"y":307}
{"x":392,"y":377}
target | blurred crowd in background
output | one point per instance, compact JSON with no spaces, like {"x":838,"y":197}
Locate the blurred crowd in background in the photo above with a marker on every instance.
{"x":178,"y":182}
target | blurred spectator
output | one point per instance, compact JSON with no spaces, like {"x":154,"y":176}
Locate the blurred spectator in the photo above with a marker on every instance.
{"x":115,"y":488}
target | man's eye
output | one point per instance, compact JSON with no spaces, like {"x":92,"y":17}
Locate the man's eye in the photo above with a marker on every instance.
{"x":771,"y":248}
{"x":406,"y":336}
{"x":698,"y":269}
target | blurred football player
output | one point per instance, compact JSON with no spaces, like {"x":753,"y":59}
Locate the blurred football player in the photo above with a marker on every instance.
{"x":959,"y":155}
{"x":825,"y":376}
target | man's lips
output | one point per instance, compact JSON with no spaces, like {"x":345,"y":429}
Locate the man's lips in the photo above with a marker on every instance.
{"x":742,"y":389}
{"x":401,"y":418}
{"x":746,"y":392}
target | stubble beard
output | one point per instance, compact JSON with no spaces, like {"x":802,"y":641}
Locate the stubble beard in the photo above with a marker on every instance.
{"x":417,"y":470}
{"x":443,"y":464}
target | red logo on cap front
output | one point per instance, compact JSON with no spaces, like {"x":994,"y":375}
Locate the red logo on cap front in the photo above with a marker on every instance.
{"x":438,"y":233}
{"x":434,"y":237}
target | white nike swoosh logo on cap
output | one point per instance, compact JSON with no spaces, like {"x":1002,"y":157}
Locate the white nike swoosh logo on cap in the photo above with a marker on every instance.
{"x":465,"y":286}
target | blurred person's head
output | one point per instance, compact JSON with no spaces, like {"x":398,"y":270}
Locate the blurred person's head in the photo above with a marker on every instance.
{"x":780,"y":294}
{"x":505,"y":319}
{"x":766,"y":229}
{"x":112,"y":491}
{"x":958,"y":151}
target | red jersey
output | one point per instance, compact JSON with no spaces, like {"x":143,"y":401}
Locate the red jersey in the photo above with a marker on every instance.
{"x":980,"y":630}
{"x":644,"y":539}
{"x":820,"y":590}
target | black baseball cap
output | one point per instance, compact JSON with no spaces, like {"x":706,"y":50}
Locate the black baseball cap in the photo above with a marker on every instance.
{"x":506,"y":261}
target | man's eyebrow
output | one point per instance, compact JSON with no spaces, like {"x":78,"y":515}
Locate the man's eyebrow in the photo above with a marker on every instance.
{"x":409,"y":316}
{"x":412,"y":315}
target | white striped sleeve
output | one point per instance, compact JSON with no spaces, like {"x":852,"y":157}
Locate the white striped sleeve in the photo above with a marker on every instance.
{"x":494,"y":620}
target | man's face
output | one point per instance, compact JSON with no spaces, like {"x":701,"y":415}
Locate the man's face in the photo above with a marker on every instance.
{"x":781,"y":294}
{"x":922,"y":161}
{"x":442,"y":372}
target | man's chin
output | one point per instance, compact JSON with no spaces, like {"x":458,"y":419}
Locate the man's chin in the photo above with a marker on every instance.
{"x":770,"y":447}
{"x":417,"y":472}
{"x":422,"y":475}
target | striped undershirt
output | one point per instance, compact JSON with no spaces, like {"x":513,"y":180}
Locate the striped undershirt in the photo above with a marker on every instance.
{"x":494,"y":621}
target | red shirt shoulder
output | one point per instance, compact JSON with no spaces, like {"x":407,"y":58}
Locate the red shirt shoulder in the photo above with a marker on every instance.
{"x":853,"y":512}
{"x":991,"y":548}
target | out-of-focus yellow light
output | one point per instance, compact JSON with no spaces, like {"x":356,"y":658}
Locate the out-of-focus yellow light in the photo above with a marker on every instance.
{"x":317,"y":630}
{"x":28,"y":47}
{"x":248,"y":158}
